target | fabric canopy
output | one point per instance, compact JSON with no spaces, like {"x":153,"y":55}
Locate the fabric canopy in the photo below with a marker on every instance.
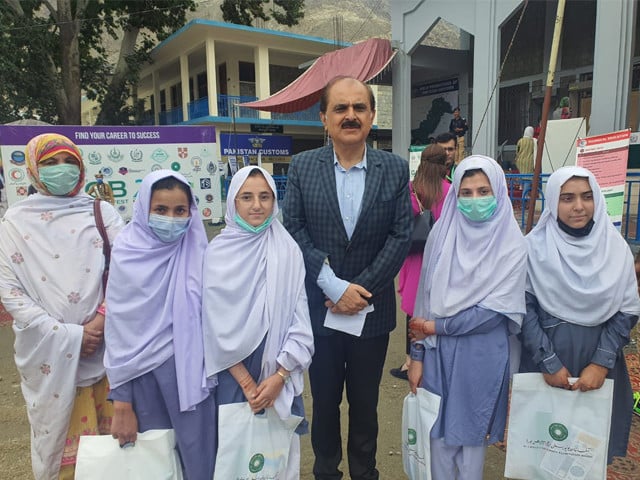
{"x":363,"y":61}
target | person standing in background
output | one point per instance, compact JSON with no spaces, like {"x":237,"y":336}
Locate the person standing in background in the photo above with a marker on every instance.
{"x":348,"y":208}
{"x":458,"y":127}
{"x":428,"y":189}
{"x":526,"y":151}
{"x":447,"y":141}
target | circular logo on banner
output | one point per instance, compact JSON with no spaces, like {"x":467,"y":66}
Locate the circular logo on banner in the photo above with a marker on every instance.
{"x":17,"y":157}
{"x":206,"y":212}
{"x":558,"y":432}
{"x":412,"y":437}
{"x":16,"y":174}
{"x":175,"y":166}
{"x":256,"y":463}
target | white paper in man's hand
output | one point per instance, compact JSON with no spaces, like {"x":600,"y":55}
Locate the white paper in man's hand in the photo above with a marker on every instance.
{"x":351,"y":324}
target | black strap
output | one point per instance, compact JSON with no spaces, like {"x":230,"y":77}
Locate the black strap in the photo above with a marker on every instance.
{"x":106,"y":246}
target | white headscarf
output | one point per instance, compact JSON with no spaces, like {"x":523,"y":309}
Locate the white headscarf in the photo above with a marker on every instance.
{"x":470,"y":263}
{"x":528,"y":132}
{"x":254,"y":285}
{"x":582,"y":280}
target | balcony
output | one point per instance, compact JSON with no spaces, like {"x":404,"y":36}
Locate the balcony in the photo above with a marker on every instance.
{"x":228,"y":108}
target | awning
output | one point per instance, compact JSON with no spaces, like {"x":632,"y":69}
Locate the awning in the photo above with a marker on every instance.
{"x":363,"y":61}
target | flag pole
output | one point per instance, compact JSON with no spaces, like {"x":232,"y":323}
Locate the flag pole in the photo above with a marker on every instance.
{"x":546,"y":106}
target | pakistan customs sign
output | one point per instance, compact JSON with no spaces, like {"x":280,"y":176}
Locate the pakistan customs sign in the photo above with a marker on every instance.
{"x":125,"y":155}
{"x":240,"y":150}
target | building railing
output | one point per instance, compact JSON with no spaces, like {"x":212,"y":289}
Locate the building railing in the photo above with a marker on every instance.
{"x":227,"y":103}
{"x":199,"y":108}
{"x":171,"y":117}
{"x":519,"y":186}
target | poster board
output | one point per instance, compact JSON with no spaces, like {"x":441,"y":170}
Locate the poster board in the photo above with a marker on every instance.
{"x":432,"y":106}
{"x":415,"y":153}
{"x":606,"y":157}
{"x":124,"y":155}
{"x":560,"y":143}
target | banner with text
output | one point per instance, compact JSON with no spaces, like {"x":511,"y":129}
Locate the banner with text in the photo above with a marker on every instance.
{"x":606,"y":157}
{"x":243,"y":149}
{"x":124,"y":155}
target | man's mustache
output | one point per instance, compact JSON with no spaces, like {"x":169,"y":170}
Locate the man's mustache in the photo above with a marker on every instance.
{"x":350,"y":124}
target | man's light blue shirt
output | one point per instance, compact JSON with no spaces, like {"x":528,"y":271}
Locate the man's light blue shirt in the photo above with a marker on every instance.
{"x":350,"y":188}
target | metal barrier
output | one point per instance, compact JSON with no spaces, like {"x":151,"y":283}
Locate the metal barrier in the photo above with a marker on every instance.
{"x":519,"y":186}
{"x":631,"y":212}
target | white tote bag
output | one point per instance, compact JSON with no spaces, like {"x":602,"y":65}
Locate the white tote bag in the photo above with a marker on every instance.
{"x":153,"y":457}
{"x":250,"y":445}
{"x":557,"y":433}
{"x":419,"y":413}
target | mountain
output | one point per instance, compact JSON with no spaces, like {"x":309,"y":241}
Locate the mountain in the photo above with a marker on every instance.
{"x":325,"y":18}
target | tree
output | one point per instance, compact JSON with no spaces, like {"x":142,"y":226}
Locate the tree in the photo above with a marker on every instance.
{"x":243,"y":12}
{"x":50,"y":55}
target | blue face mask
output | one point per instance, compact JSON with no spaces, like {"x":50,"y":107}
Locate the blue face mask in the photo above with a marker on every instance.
{"x":479,"y":209}
{"x":250,"y":228}
{"x":59,"y":179}
{"x":168,"y":229}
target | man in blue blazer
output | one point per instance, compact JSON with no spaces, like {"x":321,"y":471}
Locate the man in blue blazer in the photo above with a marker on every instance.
{"x":348,"y":207}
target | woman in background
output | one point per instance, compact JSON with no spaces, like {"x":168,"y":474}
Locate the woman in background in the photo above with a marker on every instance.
{"x":525,"y":151}
{"x":428,"y":190}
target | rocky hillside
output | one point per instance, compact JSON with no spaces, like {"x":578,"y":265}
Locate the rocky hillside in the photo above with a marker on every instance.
{"x":351,"y":21}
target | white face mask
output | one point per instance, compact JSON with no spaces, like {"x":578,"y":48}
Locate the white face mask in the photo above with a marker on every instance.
{"x":168,"y":229}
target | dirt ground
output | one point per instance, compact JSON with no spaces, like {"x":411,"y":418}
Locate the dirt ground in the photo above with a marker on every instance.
{"x":15,"y":461}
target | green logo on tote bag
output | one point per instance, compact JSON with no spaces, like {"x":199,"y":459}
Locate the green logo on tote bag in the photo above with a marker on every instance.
{"x":412,"y":437}
{"x":558,"y":431}
{"x":256,"y":463}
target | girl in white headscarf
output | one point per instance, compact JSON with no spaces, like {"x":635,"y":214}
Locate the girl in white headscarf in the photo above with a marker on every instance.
{"x":582,"y":296}
{"x":470,"y":298}
{"x":257,"y":330}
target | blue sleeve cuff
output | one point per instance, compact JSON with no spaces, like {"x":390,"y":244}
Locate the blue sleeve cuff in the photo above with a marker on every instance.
{"x":416,"y":352}
{"x":551,"y":364}
{"x":604,"y":358}
{"x":122,"y":393}
{"x":332,"y":286}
